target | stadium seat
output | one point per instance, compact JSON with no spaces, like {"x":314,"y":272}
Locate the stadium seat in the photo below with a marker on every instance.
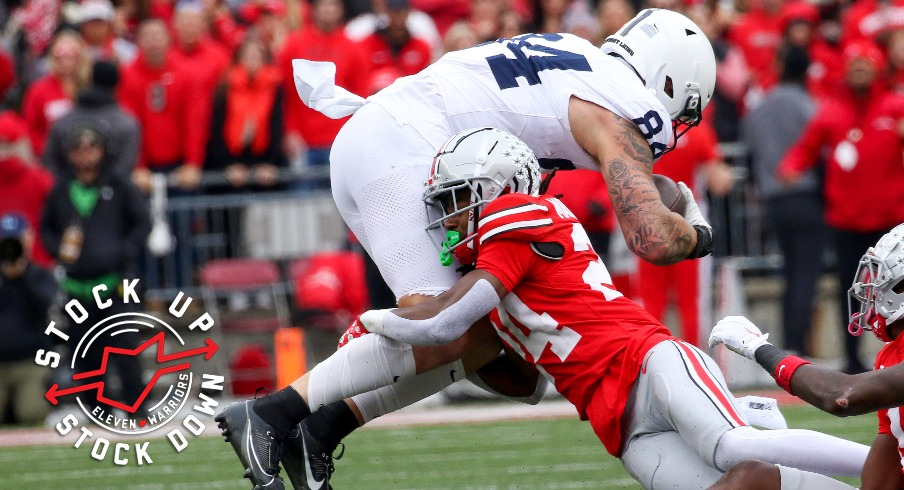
{"x":247,"y":300}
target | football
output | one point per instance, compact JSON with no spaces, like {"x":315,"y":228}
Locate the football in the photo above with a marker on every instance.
{"x":669,"y":193}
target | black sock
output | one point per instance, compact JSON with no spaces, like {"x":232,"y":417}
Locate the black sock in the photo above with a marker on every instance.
{"x":332,"y":423}
{"x":283,"y":410}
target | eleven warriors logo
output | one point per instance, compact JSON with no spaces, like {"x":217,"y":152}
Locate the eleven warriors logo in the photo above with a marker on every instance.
{"x":175,"y":396}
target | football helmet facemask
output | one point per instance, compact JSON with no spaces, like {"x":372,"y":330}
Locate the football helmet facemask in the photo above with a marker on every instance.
{"x":485,"y":163}
{"x":879,"y":287}
{"x":673,"y":58}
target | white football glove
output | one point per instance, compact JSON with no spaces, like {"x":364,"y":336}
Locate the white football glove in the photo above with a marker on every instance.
{"x":692,"y":212}
{"x":738,"y":334}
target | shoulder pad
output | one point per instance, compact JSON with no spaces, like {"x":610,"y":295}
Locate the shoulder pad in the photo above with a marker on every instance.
{"x":516,"y":216}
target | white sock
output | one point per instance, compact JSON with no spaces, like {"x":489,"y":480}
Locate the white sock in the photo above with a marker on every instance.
{"x":364,"y":364}
{"x":408,"y":390}
{"x":804,"y":449}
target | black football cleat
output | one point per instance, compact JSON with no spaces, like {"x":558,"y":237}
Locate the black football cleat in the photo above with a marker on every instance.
{"x":253,"y":442}
{"x":308,"y":463}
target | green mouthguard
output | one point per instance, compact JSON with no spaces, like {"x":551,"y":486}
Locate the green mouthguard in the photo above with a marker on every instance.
{"x":452,"y":239}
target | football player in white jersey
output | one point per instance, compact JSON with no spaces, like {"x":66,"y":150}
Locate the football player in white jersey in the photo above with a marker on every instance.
{"x":614,"y":108}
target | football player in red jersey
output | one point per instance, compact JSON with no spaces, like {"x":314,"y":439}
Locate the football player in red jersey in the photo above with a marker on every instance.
{"x":878,"y":288}
{"x":659,"y":404}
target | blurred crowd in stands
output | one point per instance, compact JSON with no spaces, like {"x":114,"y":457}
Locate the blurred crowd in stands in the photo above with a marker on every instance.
{"x":100,"y":96}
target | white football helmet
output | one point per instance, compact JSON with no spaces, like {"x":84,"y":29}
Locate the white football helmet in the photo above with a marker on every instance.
{"x":485,"y":162}
{"x":673,"y":57}
{"x":879,"y":286}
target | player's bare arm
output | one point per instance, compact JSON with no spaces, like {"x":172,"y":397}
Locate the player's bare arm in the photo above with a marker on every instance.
{"x":829,"y":390}
{"x":652,"y":232}
{"x":844,"y":395}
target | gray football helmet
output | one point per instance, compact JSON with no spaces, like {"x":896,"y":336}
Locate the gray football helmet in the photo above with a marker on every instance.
{"x":879,"y":286}
{"x":486,"y":163}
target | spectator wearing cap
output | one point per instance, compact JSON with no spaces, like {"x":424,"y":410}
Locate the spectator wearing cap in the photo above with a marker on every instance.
{"x":323,"y":41}
{"x":95,"y":23}
{"x":51,"y":96}
{"x":419,"y":25}
{"x":793,"y":212}
{"x":26,"y":293}
{"x":393,"y":46}
{"x":860,"y":132}
{"x":163,"y":96}
{"x":24,"y":185}
{"x":97,"y":105}
{"x":95,"y":224}
{"x":267,"y":20}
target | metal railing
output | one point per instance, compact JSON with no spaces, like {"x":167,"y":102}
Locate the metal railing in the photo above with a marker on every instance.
{"x":286,"y":224}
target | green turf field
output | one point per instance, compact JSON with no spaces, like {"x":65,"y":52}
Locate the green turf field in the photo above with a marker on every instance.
{"x":556,"y":453}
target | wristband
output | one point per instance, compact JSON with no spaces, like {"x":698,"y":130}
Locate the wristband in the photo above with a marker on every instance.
{"x":785,"y":369}
{"x":704,"y":245}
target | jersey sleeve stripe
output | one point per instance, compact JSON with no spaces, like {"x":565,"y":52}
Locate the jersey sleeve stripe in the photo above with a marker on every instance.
{"x":524,"y":208}
{"x":517,"y":225}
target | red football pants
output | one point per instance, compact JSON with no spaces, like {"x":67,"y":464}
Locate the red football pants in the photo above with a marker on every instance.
{"x":678,"y":284}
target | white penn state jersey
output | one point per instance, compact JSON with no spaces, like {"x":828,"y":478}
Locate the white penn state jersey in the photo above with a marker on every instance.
{"x":523,"y":85}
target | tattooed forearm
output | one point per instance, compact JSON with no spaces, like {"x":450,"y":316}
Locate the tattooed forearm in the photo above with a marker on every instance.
{"x":633,"y":143}
{"x":651,"y":231}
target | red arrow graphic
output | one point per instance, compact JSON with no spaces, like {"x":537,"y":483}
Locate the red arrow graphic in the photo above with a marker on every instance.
{"x":160,"y":340}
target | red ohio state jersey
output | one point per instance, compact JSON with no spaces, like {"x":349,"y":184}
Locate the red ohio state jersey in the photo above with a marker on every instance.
{"x":890,"y":419}
{"x":562,"y":312}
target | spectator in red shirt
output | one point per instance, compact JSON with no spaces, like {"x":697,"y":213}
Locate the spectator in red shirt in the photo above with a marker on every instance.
{"x":194,"y":47}
{"x":444,"y":12}
{"x":866,"y":19}
{"x":800,"y":22}
{"x":51,"y":96}
{"x":697,"y":151}
{"x":247,"y":129}
{"x":24,"y":185}
{"x":758,"y":34}
{"x":324,"y":40}
{"x":268,"y":23}
{"x":860,"y":131}
{"x":419,"y":24}
{"x":163,"y":95}
{"x":394,"y":46}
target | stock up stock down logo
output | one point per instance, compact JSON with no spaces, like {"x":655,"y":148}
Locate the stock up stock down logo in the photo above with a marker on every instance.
{"x":167,"y":394}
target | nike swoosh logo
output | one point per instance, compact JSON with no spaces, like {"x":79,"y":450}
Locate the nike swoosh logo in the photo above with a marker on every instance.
{"x":312,"y":483}
{"x":395,"y":378}
{"x":452,"y":374}
{"x":781,"y":369}
{"x":251,"y":443}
